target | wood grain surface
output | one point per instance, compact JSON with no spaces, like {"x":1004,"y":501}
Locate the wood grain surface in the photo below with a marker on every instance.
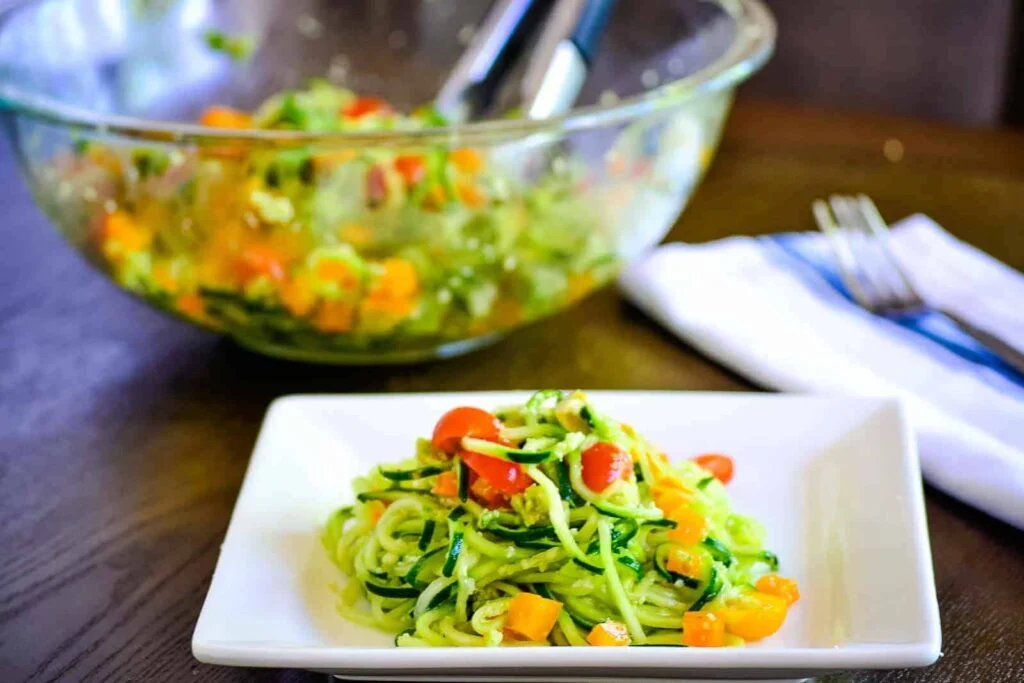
{"x":124,"y":435}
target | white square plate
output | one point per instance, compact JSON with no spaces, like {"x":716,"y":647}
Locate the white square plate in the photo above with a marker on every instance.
{"x":835,"y":481}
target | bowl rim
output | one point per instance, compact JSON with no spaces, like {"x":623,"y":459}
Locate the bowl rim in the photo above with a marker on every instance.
{"x":751,"y":47}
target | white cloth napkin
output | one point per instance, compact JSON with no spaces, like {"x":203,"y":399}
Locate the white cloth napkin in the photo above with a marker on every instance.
{"x":772,"y":309}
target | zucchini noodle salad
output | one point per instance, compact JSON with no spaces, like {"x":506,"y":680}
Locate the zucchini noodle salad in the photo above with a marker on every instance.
{"x":550,"y":523}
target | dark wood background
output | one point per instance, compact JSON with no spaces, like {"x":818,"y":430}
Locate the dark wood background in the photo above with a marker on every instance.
{"x":949,"y":60}
{"x":956,"y":61}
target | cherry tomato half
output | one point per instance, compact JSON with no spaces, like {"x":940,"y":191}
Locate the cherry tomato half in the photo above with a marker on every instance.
{"x":604,"y":464}
{"x":507,"y":477}
{"x":366,"y":105}
{"x":485,"y":494}
{"x":460,"y":422}
{"x":720,"y":466}
{"x":413,"y":168}
{"x":376,"y":186}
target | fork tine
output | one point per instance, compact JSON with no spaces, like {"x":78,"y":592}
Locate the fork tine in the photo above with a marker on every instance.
{"x":872,"y":268}
{"x":874,"y":287}
{"x":872,"y":218}
{"x":841,"y":250}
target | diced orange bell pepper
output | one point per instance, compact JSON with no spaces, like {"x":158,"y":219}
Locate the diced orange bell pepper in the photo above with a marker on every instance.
{"x":298,"y":295}
{"x":376,"y":509}
{"x":356,"y":234}
{"x":609,"y":634}
{"x":164,"y":278}
{"x":471,"y":195}
{"x":399,"y":279}
{"x":754,"y":616}
{"x":391,"y":296}
{"x":335,"y":316}
{"x":670,"y":482}
{"x":333,"y":270}
{"x":681,"y":562}
{"x":225,"y":117}
{"x":703,"y":629}
{"x":466,"y":160}
{"x":446,"y":485}
{"x":123,"y":234}
{"x":773,"y":584}
{"x":691,"y":526}
{"x":258,"y":260}
{"x":669,"y":499}
{"x":532,"y":616}
{"x":508,"y":635}
{"x":385,"y":307}
{"x":191,"y":305}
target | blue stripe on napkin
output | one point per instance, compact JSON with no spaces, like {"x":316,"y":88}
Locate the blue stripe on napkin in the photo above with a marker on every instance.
{"x":933,"y":326}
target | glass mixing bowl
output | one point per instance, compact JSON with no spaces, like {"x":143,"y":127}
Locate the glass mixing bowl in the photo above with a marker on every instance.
{"x":375,"y":237}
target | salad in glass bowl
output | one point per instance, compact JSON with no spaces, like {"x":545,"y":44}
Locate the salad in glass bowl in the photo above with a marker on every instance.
{"x":338,"y":249}
{"x":338,"y":223}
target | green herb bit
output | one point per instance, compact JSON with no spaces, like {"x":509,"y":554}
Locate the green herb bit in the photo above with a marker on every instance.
{"x":238,"y":48}
{"x":150,"y":162}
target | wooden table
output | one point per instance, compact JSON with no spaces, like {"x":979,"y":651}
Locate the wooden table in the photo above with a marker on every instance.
{"x":124,"y":435}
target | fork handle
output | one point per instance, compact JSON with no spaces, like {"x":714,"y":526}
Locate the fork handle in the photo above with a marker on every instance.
{"x":995,"y":344}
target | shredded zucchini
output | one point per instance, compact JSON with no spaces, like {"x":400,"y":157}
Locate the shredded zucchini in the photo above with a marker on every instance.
{"x":439,"y":571}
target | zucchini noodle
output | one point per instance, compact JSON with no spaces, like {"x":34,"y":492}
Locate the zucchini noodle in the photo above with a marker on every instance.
{"x":434,"y":558}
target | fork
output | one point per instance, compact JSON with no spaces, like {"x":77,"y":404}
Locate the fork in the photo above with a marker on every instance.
{"x":873,"y":275}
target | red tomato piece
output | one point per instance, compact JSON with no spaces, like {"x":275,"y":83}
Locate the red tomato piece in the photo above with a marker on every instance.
{"x":363,"y":106}
{"x":604,"y":464}
{"x":507,"y":477}
{"x":460,"y":422}
{"x":376,"y":186}
{"x":486,"y":494}
{"x":446,"y":485}
{"x":412,"y":168}
{"x":720,"y":466}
